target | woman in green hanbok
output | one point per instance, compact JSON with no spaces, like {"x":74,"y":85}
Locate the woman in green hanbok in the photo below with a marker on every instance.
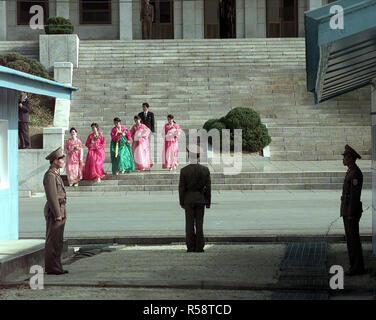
{"x":121,"y":152}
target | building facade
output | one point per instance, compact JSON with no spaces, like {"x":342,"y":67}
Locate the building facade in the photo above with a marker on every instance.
{"x":173,"y":19}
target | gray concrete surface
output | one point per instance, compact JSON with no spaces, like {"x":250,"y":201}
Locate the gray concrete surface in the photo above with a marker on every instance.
{"x":337,"y":254}
{"x":74,"y":293}
{"x":232,"y":213}
{"x":16,"y":256}
{"x":170,"y":266}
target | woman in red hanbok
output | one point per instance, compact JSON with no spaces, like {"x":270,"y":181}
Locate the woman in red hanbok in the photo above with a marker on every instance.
{"x":74,"y":158}
{"x":140,"y":145}
{"x":171,"y":134}
{"x":95,"y":158}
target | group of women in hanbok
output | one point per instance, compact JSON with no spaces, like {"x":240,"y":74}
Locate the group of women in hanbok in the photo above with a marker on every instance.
{"x":126,"y":156}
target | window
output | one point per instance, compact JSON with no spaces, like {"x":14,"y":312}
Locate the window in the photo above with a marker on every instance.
{"x":23,"y":10}
{"x":95,"y":11}
{"x":4,"y":169}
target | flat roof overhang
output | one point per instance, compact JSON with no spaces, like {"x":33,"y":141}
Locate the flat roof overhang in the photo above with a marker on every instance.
{"x":340,"y":60}
{"x":21,"y":81}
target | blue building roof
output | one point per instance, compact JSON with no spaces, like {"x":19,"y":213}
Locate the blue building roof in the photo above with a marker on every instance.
{"x":21,"y":81}
{"x":340,"y":60}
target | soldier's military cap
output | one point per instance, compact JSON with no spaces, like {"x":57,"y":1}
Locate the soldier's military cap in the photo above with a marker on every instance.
{"x":350,"y":151}
{"x":194,"y":148}
{"x":57,"y":154}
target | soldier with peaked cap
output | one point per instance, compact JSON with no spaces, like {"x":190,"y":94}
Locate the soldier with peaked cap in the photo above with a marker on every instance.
{"x":351,"y":210}
{"x":146,"y":18}
{"x":194,"y":195}
{"x":55,"y":213}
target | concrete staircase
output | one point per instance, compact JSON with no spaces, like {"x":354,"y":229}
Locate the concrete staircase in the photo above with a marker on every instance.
{"x":196,"y":80}
{"x":200,"y":79}
{"x":158,"y":181}
{"x":28,"y":49}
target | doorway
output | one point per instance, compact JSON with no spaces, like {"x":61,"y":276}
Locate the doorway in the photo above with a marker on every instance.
{"x":281,"y":18}
{"x":163,"y":23}
{"x":219,"y":19}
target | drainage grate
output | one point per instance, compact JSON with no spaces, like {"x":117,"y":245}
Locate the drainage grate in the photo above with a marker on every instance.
{"x":303,"y":269}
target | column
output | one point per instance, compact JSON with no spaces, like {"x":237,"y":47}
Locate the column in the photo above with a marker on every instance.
{"x":189,"y":21}
{"x":3,"y":20}
{"x":62,"y":9}
{"x":178,"y":19}
{"x":314,"y":4}
{"x":373,"y":163}
{"x":250,"y":17}
{"x":53,"y":138}
{"x":261,"y":19}
{"x":199,"y":19}
{"x":63,"y":73}
{"x":126,"y":24}
{"x":239,"y":16}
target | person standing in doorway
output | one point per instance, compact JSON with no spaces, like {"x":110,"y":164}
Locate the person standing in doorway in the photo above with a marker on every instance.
{"x":194,"y":196}
{"x":146,"y":18}
{"x":24,"y":108}
{"x":55,"y":213}
{"x":351,"y":210}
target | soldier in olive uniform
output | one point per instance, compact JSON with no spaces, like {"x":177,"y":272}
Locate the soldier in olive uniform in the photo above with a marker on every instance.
{"x":24,"y":108}
{"x":55,"y":213}
{"x":146,"y":17}
{"x":194,"y":195}
{"x":351,"y":210}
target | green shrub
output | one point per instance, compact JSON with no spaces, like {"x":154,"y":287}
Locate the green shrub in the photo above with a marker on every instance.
{"x":255,"y":135}
{"x":219,"y":126}
{"x":58,"y":25}
{"x":18,"y":62}
{"x":208,"y":124}
{"x":42,"y":106}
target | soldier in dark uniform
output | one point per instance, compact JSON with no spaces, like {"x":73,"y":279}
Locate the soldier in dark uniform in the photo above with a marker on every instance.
{"x":194,"y":195}
{"x":24,"y":108}
{"x":146,"y":17}
{"x":351,"y":210}
{"x":147,"y":117}
{"x":55,"y":213}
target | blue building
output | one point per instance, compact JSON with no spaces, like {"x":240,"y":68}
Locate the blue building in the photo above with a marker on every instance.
{"x":11,"y":82}
{"x":341,"y":57}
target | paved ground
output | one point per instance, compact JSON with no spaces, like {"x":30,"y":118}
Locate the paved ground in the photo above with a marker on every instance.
{"x":224,"y":271}
{"x":337,"y":255}
{"x":220,"y":265}
{"x":74,"y":293}
{"x":232,"y":213}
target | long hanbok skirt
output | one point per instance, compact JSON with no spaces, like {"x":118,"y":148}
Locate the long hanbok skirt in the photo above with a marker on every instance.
{"x":141,"y":154}
{"x":94,"y":165}
{"x":124,"y":160}
{"x":170,"y":154}
{"x":74,"y":172}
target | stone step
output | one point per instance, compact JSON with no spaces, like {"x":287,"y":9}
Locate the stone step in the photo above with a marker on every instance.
{"x":29,"y":49}
{"x":168,"y":181}
{"x":200,"y":79}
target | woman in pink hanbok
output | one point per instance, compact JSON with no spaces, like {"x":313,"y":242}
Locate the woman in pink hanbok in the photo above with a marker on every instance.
{"x":171,"y":134}
{"x":140,"y":145}
{"x":74,"y":158}
{"x":95,"y":158}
